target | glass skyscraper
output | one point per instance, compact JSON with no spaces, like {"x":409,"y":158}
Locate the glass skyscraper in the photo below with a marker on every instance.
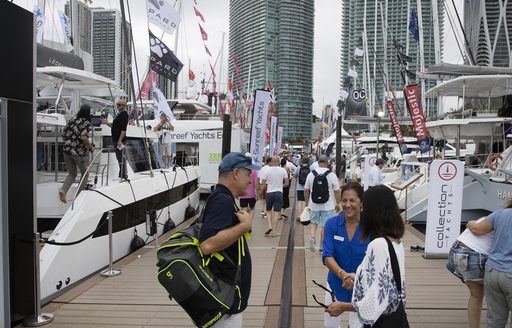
{"x":487,"y":24}
{"x":108,"y":47}
{"x":397,"y":30}
{"x":275,"y":38}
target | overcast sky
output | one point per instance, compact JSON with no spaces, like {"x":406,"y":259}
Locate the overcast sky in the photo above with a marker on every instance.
{"x":326,"y":77}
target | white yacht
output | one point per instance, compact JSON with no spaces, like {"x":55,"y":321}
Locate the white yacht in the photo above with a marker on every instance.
{"x":79,"y":226}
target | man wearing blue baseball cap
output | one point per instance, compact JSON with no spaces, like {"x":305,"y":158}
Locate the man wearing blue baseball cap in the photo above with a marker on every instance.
{"x":224,"y":224}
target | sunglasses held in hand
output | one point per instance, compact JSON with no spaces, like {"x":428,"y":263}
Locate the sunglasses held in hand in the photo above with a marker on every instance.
{"x":333,"y":295}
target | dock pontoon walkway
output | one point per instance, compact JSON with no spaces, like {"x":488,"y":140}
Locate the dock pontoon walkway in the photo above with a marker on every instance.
{"x":135,"y":299}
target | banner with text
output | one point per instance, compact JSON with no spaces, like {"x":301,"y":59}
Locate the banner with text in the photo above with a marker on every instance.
{"x":444,"y":206}
{"x":272,"y":149}
{"x":279,"y":139}
{"x":396,"y":127}
{"x":413,"y":97}
{"x":259,"y":121}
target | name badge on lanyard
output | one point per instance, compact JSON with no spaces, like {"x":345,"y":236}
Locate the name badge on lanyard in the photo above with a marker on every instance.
{"x":340,"y":238}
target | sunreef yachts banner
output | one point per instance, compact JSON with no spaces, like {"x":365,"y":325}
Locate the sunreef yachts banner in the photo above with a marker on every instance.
{"x":444,"y":207}
{"x":396,"y":128}
{"x":259,"y":121}
{"x":413,"y":97}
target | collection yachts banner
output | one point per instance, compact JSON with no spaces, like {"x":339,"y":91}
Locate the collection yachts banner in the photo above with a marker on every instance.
{"x":444,"y":206}
{"x":259,"y":121}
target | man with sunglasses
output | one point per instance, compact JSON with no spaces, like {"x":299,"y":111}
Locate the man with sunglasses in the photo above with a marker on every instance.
{"x":118,"y":128}
{"x":223,"y":224}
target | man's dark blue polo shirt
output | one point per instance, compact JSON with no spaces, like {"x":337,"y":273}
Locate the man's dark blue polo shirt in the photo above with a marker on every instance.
{"x":220,"y":215}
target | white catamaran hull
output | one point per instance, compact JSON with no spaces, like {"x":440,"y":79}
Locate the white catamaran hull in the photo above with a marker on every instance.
{"x":169,"y":195}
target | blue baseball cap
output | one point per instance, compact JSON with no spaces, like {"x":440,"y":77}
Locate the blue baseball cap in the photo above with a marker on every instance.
{"x":236,"y":160}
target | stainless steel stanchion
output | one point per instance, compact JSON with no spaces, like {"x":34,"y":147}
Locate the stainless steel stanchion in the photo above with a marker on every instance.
{"x":38,"y":319}
{"x":110,"y":272}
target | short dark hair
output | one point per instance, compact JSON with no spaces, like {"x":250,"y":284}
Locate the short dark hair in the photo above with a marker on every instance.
{"x":283,"y":161}
{"x":379,"y":161}
{"x":84,"y":112}
{"x":381,"y":216}
{"x":353,"y":186}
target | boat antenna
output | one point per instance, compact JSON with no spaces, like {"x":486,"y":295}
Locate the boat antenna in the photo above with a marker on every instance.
{"x":455,"y":34}
{"x":130,"y":75}
{"x":470,"y":52}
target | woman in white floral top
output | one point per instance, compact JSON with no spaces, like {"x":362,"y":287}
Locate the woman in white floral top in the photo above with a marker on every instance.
{"x":375,"y":291}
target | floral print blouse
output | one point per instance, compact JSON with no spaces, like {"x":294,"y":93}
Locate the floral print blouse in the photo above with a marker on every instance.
{"x":375,"y":291}
{"x":74,"y":130}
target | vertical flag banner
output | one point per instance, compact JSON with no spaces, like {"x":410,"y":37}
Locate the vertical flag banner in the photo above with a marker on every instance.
{"x":146,"y":85}
{"x":444,"y":207}
{"x":273,"y":131}
{"x":396,"y":128}
{"x":162,"y":14}
{"x":66,"y":29}
{"x":413,"y":97}
{"x":40,"y":19}
{"x":162,"y":60}
{"x":198,"y":14}
{"x":161,"y":106}
{"x":413,"y":25}
{"x":279,"y":139}
{"x":260,"y":110}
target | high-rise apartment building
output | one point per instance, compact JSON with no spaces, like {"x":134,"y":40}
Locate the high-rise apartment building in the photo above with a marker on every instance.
{"x":84,"y":24}
{"x":488,"y":27}
{"x":396,"y":18}
{"x":274,"y":39}
{"x":108,"y":46}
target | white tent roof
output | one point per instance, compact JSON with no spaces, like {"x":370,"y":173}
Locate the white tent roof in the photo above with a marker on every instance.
{"x":477,"y":86}
{"x":332,"y":137}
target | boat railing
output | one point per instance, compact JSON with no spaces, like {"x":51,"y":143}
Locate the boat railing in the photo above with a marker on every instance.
{"x":101,"y":169}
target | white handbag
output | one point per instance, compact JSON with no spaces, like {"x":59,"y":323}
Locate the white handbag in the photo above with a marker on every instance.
{"x":304,"y":216}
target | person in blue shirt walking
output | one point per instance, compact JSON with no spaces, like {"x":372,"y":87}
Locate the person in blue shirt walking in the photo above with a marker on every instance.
{"x":343,"y":248}
{"x":498,"y":268}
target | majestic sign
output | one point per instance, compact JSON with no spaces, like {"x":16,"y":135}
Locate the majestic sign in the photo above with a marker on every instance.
{"x":396,"y":127}
{"x":444,"y":206}
{"x":259,"y":121}
{"x":413,"y":97}
{"x":162,"y":60}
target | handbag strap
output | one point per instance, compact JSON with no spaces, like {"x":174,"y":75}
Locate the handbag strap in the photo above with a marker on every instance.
{"x":395,"y":267}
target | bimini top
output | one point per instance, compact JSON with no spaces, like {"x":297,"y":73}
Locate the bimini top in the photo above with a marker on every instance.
{"x":474,"y":128}
{"x":473,"y":86}
{"x":71,"y":77}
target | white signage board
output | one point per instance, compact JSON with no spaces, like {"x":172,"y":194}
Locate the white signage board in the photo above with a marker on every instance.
{"x":279,"y":139}
{"x":444,"y":207}
{"x":259,"y":122}
{"x":369,"y":162}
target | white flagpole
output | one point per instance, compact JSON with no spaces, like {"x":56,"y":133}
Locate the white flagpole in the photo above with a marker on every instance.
{"x":422,"y":53}
{"x":221,"y":64}
{"x":407,"y":42}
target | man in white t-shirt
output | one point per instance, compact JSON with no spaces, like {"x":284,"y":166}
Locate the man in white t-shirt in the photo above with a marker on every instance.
{"x":320,"y":211}
{"x":375,"y":175}
{"x":275,"y":177}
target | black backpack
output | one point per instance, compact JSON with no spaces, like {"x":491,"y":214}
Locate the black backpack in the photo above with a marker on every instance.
{"x":320,"y":192}
{"x":186,"y":275}
{"x":303,"y":174}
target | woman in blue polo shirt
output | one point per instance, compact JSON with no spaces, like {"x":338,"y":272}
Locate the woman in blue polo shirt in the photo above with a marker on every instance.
{"x":343,"y":249}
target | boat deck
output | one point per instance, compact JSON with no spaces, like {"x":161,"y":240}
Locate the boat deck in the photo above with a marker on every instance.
{"x":135,"y":299}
